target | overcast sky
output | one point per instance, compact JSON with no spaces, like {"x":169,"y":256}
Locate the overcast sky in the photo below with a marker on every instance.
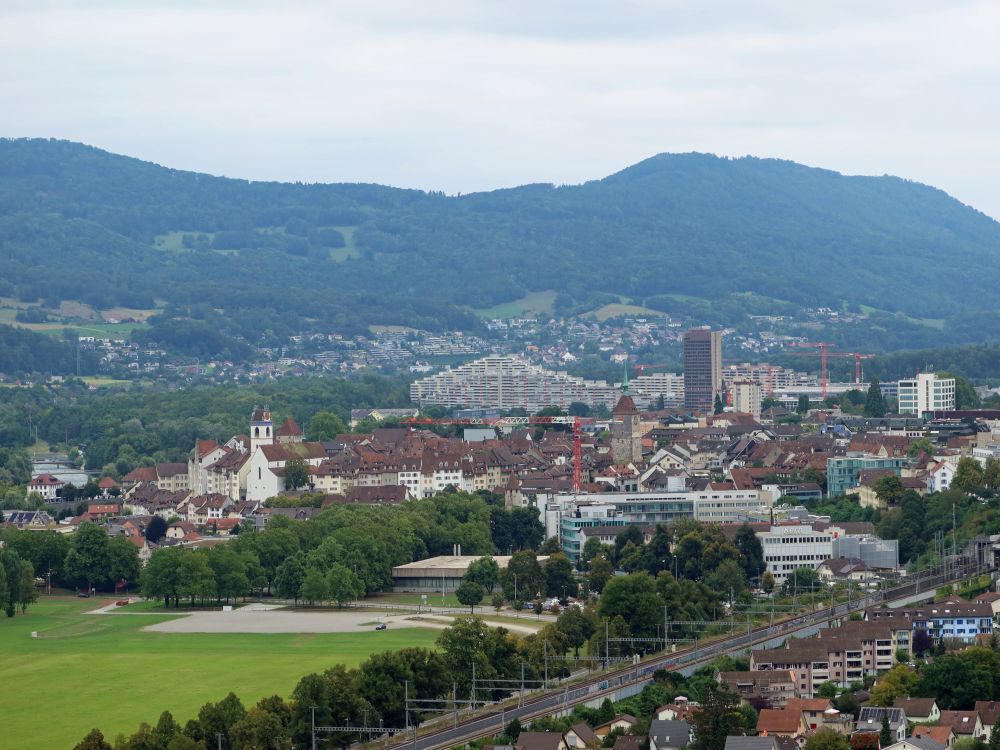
{"x":473,"y":94}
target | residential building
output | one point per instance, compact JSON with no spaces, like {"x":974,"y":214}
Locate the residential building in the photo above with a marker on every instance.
{"x":915,"y":743}
{"x":509,"y":382}
{"x":926,"y":393}
{"x":747,"y":397}
{"x":964,"y":724}
{"x":669,"y":735}
{"x":943,"y":736}
{"x":702,"y":369}
{"x":780,"y":722}
{"x":919,"y":710}
{"x":948,"y":621}
{"x":47,"y":486}
{"x":580,"y":736}
{"x":776,"y":686}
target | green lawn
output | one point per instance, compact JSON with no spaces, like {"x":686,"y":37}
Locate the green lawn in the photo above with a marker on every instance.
{"x":533,"y":303}
{"x":434,"y":600}
{"x":102,"y":670}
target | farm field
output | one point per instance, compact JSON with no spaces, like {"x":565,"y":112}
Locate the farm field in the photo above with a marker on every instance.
{"x":105,"y":671}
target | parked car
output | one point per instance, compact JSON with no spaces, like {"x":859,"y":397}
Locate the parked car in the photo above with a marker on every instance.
{"x":381,"y":626}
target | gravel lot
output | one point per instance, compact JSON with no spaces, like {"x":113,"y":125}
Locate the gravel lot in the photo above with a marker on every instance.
{"x":263,"y":618}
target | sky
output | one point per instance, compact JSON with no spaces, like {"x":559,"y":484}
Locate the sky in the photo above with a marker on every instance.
{"x":470,"y":95}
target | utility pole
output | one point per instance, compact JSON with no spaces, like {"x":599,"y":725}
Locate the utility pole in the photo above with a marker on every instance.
{"x":520,"y":697}
{"x":545,"y":650}
{"x":666,"y":644}
{"x":473,"y":687}
{"x":454,"y":699}
{"x":406,"y":702}
{"x":607,"y":645}
{"x":218,"y":738}
{"x":314,"y":728}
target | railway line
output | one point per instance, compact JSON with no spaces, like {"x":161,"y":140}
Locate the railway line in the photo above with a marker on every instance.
{"x":446,"y":732}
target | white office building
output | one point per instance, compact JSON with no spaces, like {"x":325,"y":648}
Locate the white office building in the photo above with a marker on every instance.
{"x":926,"y":392}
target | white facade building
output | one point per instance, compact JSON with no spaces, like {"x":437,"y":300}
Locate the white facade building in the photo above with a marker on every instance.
{"x":927,"y":392}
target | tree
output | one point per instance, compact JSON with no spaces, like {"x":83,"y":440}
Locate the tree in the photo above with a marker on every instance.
{"x":600,"y":573}
{"x":27,"y":592}
{"x":4,"y":589}
{"x":123,"y":561}
{"x":497,"y":602}
{"x":485,"y":572}
{"x":994,"y":743}
{"x":296,"y":473}
{"x":288,"y":579}
{"x":88,"y":561}
{"x":898,"y":681}
{"x":719,"y":406}
{"x":559,"y":580}
{"x":196,"y":579}
{"x":885,"y":733}
{"x":968,"y":475}
{"x":470,"y":594}
{"x":576,"y":626}
{"x":513,"y":728}
{"x":93,"y":741}
{"x":220,"y":718}
{"x":324,"y":426}
{"x":634,"y":599}
{"x":767,"y":582}
{"x":717,"y":718}
{"x":991,"y":478}
{"x":801,"y":579}
{"x":343,"y":585}
{"x":258,"y":729}
{"x":802,"y":407}
{"x":922,"y":642}
{"x":523,"y":577}
{"x":889,"y":490}
{"x":166,"y":728}
{"x":751,"y":551}
{"x":827,"y":690}
{"x":920,"y":444}
{"x":314,"y":588}
{"x":875,"y":401}
{"x":827,"y":739}
{"x":156,"y":529}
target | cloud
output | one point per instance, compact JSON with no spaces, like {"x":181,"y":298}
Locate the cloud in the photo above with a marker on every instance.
{"x":473,"y":95}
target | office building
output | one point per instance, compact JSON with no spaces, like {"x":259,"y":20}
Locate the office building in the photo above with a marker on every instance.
{"x":926,"y":392}
{"x":702,"y":368}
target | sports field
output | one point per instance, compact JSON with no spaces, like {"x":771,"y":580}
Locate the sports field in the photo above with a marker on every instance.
{"x":105,"y":671}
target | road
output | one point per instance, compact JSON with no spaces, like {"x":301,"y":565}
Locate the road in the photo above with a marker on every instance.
{"x":566,"y":696}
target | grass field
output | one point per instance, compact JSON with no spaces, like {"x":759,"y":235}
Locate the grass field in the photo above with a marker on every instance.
{"x":103,"y":670}
{"x":450,"y":600}
{"x":533,"y":303}
{"x":618,"y":310}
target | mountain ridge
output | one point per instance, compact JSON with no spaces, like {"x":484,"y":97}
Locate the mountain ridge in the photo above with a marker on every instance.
{"x":355,"y":254}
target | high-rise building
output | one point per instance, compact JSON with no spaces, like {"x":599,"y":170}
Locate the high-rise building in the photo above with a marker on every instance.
{"x":702,"y":368}
{"x":747,"y":397}
{"x":926,"y":392}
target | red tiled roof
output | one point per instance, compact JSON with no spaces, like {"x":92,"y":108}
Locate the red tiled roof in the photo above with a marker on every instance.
{"x":289,"y":428}
{"x":45,"y":480}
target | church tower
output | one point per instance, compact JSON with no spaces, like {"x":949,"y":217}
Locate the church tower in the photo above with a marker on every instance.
{"x":626,"y":440}
{"x":261,"y":428}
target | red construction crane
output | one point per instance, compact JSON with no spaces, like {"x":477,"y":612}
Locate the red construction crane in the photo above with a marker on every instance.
{"x":574,"y":422}
{"x":822,"y":345}
{"x":824,"y":354}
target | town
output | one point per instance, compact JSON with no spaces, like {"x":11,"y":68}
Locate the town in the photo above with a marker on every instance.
{"x":597,"y":487}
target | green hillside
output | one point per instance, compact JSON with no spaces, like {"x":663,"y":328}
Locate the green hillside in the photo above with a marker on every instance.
{"x":83,"y":224}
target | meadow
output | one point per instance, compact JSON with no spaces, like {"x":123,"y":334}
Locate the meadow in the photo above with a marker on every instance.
{"x":103,"y":671}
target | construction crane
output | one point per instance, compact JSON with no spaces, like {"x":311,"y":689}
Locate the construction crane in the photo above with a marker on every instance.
{"x":824,"y":354}
{"x":575,"y":423}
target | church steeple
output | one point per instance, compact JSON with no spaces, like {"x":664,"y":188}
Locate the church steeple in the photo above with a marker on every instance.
{"x":625,"y":381}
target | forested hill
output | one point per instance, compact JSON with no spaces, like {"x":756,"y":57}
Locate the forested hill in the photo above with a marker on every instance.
{"x":80,"y":223}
